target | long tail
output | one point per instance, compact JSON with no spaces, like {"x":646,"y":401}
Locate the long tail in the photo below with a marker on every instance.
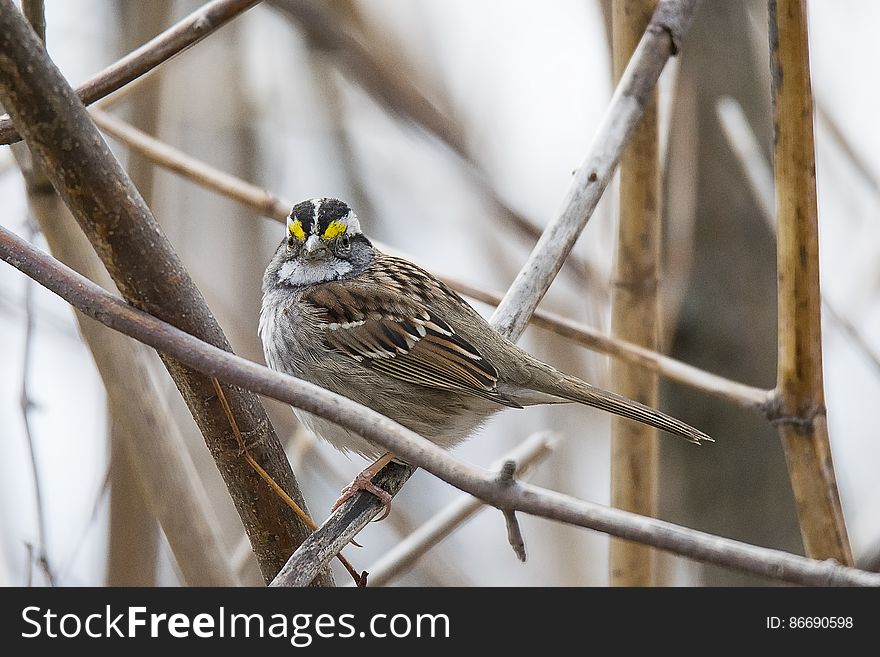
{"x":573,"y":389}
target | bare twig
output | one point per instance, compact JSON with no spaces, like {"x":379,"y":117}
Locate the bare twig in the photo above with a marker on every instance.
{"x":505,"y":477}
{"x":147,"y":272}
{"x":800,"y":411}
{"x":635,"y":308}
{"x":193,"y":169}
{"x":660,"y":41}
{"x":187,"y":32}
{"x":277,"y":208}
{"x":411,"y":548}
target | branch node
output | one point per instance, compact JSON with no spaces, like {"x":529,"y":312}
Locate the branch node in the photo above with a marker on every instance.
{"x":779,"y":416}
{"x":668,"y":18}
{"x":506,"y":475}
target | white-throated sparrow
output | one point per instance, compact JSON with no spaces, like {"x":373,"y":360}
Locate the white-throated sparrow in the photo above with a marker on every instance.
{"x":386,"y":333}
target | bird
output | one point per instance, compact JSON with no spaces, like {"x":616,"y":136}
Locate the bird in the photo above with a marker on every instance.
{"x":384,"y":332}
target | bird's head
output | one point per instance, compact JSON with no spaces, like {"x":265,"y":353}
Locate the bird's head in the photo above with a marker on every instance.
{"x":323,"y":242}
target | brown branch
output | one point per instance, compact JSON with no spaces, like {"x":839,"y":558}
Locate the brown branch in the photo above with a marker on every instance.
{"x":800,"y":411}
{"x":173,"y":41}
{"x":635,"y":308}
{"x":147,"y":272}
{"x":517,"y":496}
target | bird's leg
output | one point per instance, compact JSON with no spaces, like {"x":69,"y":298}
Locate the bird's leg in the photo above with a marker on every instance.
{"x":364,"y":481}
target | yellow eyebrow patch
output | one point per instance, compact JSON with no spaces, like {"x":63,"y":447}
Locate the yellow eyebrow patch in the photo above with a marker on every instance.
{"x":335,"y":229}
{"x":296,"y":229}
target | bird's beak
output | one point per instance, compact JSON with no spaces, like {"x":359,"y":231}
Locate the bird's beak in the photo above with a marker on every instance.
{"x":314,"y":248}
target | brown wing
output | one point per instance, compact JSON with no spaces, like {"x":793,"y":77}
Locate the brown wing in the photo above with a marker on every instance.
{"x":384,"y":319}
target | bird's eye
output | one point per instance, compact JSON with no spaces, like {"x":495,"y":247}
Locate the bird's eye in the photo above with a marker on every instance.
{"x":343,"y":245}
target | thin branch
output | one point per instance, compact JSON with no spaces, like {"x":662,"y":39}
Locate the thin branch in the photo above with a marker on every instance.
{"x":800,"y":412}
{"x":243,"y":448}
{"x":212,"y":361}
{"x":661,"y":40}
{"x":173,"y":41}
{"x":635,"y":308}
{"x":277,"y":208}
{"x":410,"y":549}
{"x":148,"y":273}
{"x":505,"y":477}
{"x":192,"y":168}
{"x":341,"y":527}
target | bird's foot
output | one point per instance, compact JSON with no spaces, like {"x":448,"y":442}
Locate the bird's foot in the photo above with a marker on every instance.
{"x":364,"y":481}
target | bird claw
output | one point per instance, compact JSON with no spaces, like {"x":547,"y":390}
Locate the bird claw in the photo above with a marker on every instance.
{"x":364,"y":482}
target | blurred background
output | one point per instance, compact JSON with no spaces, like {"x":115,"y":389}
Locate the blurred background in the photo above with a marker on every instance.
{"x":515,"y":91}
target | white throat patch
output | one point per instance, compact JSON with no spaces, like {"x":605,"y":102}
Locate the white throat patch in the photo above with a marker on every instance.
{"x":298,"y":272}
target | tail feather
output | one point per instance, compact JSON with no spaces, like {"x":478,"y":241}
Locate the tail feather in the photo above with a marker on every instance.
{"x":579,"y":391}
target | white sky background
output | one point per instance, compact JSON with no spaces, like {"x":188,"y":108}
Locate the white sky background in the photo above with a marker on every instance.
{"x":503,"y":65}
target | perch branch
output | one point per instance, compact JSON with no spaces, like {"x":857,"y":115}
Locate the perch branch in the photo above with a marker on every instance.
{"x":212,"y":361}
{"x":148,"y":273}
{"x":800,"y":399}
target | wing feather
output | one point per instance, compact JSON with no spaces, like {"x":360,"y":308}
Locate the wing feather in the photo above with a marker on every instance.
{"x":396,"y":330}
